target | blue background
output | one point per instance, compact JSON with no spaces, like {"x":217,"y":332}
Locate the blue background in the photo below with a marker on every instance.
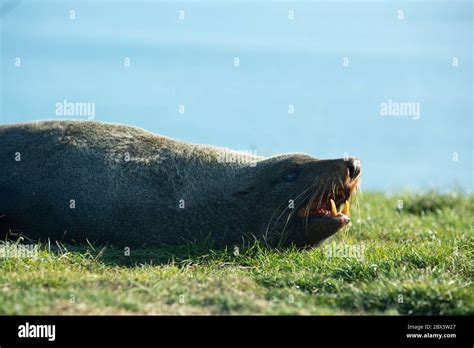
{"x":282,"y":62}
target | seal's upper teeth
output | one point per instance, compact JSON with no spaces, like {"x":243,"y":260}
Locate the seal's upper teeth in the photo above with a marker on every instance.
{"x":347,"y":208}
{"x":333,"y":208}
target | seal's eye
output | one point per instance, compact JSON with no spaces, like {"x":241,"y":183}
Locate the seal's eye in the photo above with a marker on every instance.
{"x":291,"y":176}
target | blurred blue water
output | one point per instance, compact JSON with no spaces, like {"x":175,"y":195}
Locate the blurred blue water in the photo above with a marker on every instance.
{"x":299,"y":62}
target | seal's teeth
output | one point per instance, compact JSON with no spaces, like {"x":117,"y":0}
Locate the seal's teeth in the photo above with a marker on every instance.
{"x":347,"y":208}
{"x":333,"y":208}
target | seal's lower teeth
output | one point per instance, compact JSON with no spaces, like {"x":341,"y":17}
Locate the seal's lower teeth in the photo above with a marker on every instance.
{"x":333,"y":208}
{"x":347,"y":208}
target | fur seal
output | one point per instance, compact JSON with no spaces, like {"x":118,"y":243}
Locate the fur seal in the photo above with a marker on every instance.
{"x":73,"y":181}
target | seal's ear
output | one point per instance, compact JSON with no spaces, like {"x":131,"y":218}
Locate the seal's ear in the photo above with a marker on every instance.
{"x":245,"y":191}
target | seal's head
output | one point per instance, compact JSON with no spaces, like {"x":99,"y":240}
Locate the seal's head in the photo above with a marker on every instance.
{"x":303,"y":200}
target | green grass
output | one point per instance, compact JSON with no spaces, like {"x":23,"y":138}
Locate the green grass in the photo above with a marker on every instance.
{"x":413,"y":258}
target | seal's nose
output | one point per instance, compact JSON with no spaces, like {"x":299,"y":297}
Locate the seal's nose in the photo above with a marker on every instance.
{"x":354,"y":166}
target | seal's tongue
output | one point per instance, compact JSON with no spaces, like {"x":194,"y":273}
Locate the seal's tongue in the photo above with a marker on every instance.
{"x":329,"y":210}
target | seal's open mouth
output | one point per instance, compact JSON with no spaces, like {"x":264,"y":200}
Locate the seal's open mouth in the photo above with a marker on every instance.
{"x":321,"y":208}
{"x":328,"y":207}
{"x":333,"y":205}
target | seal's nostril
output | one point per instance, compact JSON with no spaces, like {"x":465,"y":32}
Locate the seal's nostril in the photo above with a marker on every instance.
{"x":353,"y":164}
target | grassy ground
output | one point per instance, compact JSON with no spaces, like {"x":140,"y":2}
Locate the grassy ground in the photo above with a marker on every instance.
{"x":394,"y":259}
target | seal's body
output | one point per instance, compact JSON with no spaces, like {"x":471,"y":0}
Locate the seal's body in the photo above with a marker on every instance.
{"x":82,"y":180}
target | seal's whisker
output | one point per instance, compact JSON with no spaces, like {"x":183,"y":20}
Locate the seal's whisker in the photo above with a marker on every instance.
{"x":357,"y":190}
{"x":283,"y":211}
{"x":290,"y":215}
{"x":310,"y":203}
{"x":285,"y":203}
{"x":342,"y":185}
{"x":271,"y":218}
{"x":323,"y":192}
{"x":320,"y":192}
